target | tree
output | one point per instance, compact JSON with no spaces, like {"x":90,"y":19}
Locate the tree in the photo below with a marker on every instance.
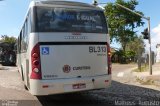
{"x":7,"y":50}
{"x":122,"y":22}
{"x":137,"y":45}
{"x":5,"y":38}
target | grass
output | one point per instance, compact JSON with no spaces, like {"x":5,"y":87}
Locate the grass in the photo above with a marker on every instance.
{"x":143,"y":68}
{"x":145,"y":82}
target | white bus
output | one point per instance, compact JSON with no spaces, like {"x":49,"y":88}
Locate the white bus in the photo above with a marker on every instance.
{"x":63,"y":47}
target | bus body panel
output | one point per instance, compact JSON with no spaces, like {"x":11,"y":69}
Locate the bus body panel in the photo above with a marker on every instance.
{"x":79,"y":61}
{"x":73,"y":37}
{"x":59,"y":86}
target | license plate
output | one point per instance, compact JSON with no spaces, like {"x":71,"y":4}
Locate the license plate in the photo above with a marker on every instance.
{"x":79,"y":86}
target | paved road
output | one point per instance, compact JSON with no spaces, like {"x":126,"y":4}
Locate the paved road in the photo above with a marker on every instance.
{"x":119,"y":94}
{"x":122,"y":73}
{"x":122,"y":67}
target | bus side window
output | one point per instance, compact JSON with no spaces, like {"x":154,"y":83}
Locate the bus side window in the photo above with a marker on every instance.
{"x":23,"y":40}
{"x":25,"y":35}
{"x":28,"y":28}
{"x":20,"y":42}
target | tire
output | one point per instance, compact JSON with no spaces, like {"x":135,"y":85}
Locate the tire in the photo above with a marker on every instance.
{"x":25,"y":87}
{"x":22,"y":77}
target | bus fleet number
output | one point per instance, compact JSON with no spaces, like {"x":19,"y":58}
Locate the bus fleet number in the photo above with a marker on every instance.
{"x":97,"y":49}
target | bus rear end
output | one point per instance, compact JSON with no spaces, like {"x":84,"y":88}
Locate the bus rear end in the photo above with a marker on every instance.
{"x":71,"y":51}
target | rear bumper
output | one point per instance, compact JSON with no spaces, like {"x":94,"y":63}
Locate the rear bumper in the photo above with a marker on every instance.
{"x":47,"y":87}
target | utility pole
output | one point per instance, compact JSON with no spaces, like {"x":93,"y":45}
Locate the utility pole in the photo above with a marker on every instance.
{"x":149,"y":40}
{"x":150,"y":51}
{"x":147,"y":18}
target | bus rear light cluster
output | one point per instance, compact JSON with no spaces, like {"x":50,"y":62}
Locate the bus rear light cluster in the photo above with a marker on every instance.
{"x":35,"y":55}
{"x":36,"y":66}
{"x":45,"y":86}
{"x":106,"y":81}
{"x":109,"y":58}
{"x":36,"y":70}
{"x":36,"y":62}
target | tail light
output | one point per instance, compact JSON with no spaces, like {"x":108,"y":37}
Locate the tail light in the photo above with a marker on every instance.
{"x":109,"y":58}
{"x":36,"y":65}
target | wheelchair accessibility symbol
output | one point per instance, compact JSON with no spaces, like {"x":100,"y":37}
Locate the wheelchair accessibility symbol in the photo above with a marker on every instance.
{"x":45,"y":50}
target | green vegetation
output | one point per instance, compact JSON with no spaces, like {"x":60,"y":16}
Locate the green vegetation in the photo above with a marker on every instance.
{"x":7,"y":50}
{"x":136,"y":45}
{"x":134,"y":49}
{"x":123,"y":57}
{"x":5,"y":38}
{"x":122,"y":24}
{"x":145,"y":82}
{"x":142,"y":69}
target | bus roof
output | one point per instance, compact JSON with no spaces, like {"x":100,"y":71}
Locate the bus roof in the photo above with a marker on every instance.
{"x":62,"y":3}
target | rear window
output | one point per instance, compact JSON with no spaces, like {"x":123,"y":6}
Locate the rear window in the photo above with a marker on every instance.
{"x":70,"y":20}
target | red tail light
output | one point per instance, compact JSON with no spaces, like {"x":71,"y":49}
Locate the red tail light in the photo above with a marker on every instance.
{"x":109,"y":58}
{"x":36,"y":66}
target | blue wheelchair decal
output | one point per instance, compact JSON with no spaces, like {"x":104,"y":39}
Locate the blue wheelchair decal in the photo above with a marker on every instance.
{"x":45,"y":50}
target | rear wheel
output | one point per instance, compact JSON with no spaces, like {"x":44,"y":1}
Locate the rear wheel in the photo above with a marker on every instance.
{"x":25,"y":87}
{"x":22,"y":76}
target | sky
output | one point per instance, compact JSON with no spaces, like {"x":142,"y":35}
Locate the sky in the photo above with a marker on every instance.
{"x":12,"y":13}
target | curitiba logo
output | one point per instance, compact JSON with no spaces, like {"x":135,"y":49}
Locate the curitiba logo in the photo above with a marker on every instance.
{"x":66,"y":68}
